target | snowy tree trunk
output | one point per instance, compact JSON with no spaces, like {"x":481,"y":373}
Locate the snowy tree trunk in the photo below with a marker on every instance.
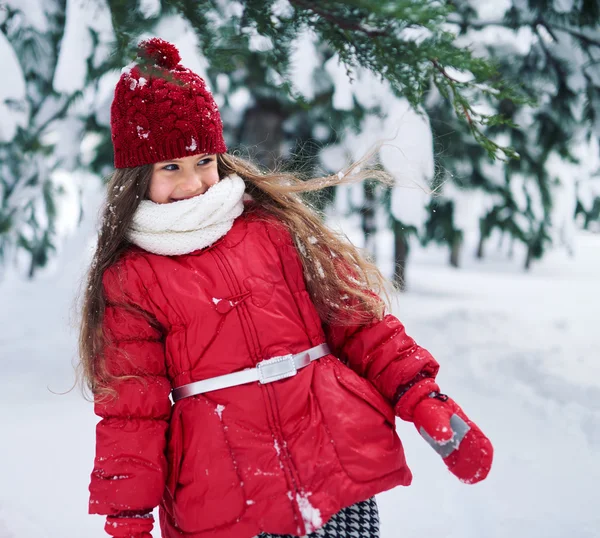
{"x":262,"y":127}
{"x":368,"y":223}
{"x":400,"y":255}
{"x":528,"y":259}
{"x":511,"y":249}
{"x":480,"y":245}
{"x":456,"y":249}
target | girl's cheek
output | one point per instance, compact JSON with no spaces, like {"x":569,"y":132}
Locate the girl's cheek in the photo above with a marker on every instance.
{"x":159,"y":191}
{"x":214,"y":177}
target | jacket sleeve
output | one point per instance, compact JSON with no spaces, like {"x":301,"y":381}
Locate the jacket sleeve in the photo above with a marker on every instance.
{"x":130,"y":466}
{"x":383,"y":353}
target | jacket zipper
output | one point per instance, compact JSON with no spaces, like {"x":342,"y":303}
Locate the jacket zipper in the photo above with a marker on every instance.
{"x":250,"y":331}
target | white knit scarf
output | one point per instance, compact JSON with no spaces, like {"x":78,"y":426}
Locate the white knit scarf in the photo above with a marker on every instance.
{"x":187,"y":225}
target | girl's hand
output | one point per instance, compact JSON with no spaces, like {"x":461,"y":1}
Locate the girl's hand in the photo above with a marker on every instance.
{"x":465,"y":450}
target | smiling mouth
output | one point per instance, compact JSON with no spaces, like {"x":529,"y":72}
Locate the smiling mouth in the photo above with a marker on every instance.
{"x":186,"y":198}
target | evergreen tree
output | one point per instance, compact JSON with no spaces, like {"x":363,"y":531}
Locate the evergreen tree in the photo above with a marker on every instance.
{"x":62,"y":51}
{"x":248,"y":46}
{"x":27,"y":197}
{"x":552,"y":48}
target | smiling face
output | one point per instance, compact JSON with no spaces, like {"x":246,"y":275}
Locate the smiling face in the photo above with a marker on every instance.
{"x":180,"y":179}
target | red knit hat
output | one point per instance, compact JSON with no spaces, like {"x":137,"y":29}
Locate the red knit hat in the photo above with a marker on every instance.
{"x":162,"y":110}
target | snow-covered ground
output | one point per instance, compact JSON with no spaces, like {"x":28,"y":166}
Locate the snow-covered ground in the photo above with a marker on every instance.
{"x":520,"y":352}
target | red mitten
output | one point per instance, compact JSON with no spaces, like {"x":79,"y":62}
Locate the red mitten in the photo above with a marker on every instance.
{"x":466,"y":451}
{"x":129,"y":527}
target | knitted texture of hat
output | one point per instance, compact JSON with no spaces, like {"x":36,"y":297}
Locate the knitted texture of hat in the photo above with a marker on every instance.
{"x":162,"y":110}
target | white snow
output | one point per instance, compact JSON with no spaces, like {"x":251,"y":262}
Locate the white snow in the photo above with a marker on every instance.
{"x":193,"y":145}
{"x":491,"y":10}
{"x":142,"y":133}
{"x":303,"y":62}
{"x":223,"y":83}
{"x":149,"y":8}
{"x":258,"y":42}
{"x":334,"y":157}
{"x":342,"y":96}
{"x":320,"y":131}
{"x":239,"y":100}
{"x":68,"y":202}
{"x":101,"y":99}
{"x":469,"y":206}
{"x":310,"y":514}
{"x":320,"y":269}
{"x":282,"y":9}
{"x":76,"y":45}
{"x":519,"y":354}
{"x":11,"y":89}
{"x":35,"y":12}
{"x":219,"y":411}
{"x":563,"y":5}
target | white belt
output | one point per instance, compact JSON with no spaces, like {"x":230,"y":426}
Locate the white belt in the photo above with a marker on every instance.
{"x":266,"y":371}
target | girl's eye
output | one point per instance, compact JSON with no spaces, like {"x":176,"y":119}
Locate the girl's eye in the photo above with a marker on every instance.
{"x":170,"y":167}
{"x":204,"y":161}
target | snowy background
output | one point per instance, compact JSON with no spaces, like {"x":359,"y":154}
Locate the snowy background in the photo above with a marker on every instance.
{"x":518,"y":351}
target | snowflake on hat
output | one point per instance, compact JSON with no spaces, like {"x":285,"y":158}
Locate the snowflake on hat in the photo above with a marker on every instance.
{"x":162,"y":110}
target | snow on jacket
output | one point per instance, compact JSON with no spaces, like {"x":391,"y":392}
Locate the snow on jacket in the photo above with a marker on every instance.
{"x":281,"y":457}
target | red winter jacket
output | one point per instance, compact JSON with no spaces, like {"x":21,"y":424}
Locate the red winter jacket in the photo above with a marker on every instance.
{"x":281,"y":457}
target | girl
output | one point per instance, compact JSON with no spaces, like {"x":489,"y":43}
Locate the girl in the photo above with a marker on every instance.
{"x":214,"y":287}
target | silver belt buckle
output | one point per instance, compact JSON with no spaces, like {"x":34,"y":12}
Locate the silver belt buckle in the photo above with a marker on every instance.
{"x":276,"y":368}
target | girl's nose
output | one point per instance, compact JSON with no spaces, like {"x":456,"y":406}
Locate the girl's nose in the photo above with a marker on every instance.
{"x":193,"y":183}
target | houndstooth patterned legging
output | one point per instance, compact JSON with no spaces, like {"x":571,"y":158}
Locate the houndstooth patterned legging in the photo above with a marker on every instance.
{"x":361,"y":520}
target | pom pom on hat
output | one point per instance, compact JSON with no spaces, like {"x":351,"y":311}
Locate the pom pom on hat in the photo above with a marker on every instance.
{"x":159,"y":52}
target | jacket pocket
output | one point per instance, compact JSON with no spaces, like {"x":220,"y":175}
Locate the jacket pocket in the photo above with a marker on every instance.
{"x":360,"y":422}
{"x":207,"y":490}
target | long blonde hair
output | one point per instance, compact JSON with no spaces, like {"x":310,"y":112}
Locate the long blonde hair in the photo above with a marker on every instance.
{"x":344,"y":286}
